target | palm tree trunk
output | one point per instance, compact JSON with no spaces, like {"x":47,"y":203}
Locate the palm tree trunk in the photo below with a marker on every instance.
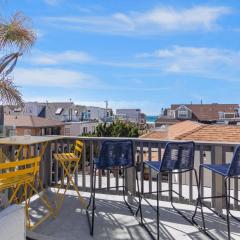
{"x":1,"y":119}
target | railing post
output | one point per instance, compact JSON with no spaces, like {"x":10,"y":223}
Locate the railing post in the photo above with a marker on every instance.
{"x":218,"y":187}
{"x":55,"y":164}
{"x":91,"y":164}
{"x":83,"y":167}
{"x":131,"y":178}
{"x":46,"y":171}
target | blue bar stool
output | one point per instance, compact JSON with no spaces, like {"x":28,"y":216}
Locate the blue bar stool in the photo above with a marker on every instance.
{"x":228,"y":171}
{"x":178,"y":158}
{"x":114,"y":155}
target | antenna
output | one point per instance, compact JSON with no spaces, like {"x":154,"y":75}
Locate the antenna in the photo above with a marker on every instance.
{"x":105,"y":115}
{"x":106,"y":102}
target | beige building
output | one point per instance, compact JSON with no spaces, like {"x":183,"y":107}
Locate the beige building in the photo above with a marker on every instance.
{"x":32,"y":125}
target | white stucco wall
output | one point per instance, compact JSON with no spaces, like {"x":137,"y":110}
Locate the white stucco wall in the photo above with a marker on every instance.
{"x":77,"y":128}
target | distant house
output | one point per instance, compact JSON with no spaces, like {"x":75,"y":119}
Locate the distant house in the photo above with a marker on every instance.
{"x":203,"y":113}
{"x":61,"y":111}
{"x":32,"y":125}
{"x":131,"y":115}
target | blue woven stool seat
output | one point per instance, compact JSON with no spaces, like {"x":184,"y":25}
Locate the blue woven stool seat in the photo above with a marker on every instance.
{"x":221,"y":169}
{"x":115,"y":154}
{"x":154,"y":165}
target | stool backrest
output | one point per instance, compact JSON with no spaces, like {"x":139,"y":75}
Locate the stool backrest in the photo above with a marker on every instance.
{"x":116,"y":154}
{"x":19,"y":168}
{"x":178,"y":156}
{"x":234,"y":169}
{"x":22,"y":167}
{"x":78,"y":148}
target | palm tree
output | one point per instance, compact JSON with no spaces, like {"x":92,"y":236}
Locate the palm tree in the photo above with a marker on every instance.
{"x":17,"y":37}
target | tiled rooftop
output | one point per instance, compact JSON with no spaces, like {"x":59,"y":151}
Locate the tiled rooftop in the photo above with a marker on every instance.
{"x":222,"y":133}
{"x":189,"y":130}
{"x":174,"y":131}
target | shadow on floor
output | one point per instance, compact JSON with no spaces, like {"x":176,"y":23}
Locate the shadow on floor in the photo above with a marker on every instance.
{"x":114,"y":221}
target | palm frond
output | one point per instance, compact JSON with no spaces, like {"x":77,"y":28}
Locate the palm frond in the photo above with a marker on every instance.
{"x":8,"y":62}
{"x":9,"y":94}
{"x":17,"y":33}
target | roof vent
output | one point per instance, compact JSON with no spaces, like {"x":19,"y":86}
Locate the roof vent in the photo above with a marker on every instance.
{"x":59,"y":111}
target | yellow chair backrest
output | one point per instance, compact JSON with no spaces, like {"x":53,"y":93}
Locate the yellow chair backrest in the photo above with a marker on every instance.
{"x":78,"y":148}
{"x":20,"y":168}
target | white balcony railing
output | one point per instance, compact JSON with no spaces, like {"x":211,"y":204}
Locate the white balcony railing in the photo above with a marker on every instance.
{"x":145,"y":149}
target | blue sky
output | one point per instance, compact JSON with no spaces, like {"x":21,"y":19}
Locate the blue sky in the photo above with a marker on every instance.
{"x":133,"y":53}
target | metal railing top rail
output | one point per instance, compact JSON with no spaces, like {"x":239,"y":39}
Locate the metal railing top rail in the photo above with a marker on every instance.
{"x":216,"y":143}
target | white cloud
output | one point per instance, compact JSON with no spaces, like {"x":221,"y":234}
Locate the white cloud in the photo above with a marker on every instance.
{"x":52,"y":2}
{"x":51,"y":58}
{"x":155,"y":21}
{"x":55,"y":77}
{"x":52,"y":77}
{"x":208,"y":62}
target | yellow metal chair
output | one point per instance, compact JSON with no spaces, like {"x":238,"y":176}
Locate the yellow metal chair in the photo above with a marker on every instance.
{"x":22,"y":175}
{"x":69,"y":162}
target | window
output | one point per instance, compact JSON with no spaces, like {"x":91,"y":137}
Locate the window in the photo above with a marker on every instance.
{"x":183,"y":112}
{"x":67,"y":131}
{"x":171,"y":113}
{"x":17,"y":109}
{"x":27,"y":132}
{"x":59,"y":111}
{"x":229,"y":115}
{"x":85,"y":130}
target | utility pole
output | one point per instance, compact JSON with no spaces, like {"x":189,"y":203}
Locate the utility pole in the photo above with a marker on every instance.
{"x":105,"y":117}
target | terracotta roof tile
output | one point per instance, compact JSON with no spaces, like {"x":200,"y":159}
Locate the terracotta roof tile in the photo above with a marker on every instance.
{"x":189,"y":130}
{"x":30,"y":121}
{"x":174,"y":131}
{"x":218,"y":133}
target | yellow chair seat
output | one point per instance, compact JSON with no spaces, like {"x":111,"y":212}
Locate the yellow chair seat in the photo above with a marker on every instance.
{"x":66,"y":157}
{"x":16,"y":180}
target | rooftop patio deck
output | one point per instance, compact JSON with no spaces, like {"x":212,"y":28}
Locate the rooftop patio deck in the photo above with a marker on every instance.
{"x":114,"y":221}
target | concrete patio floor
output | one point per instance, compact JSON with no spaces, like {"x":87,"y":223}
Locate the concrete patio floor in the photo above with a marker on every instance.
{"x":114,"y":221}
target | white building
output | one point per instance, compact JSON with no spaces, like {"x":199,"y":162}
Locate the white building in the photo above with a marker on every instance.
{"x":131,"y":115}
{"x":79,"y":128}
{"x":96,"y":113}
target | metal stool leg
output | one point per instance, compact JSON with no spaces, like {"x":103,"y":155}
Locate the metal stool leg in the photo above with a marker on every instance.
{"x":93,"y":205}
{"x":227,"y":206}
{"x":199,"y":200}
{"x":92,"y":202}
{"x":139,"y":200}
{"x":158,"y":230}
